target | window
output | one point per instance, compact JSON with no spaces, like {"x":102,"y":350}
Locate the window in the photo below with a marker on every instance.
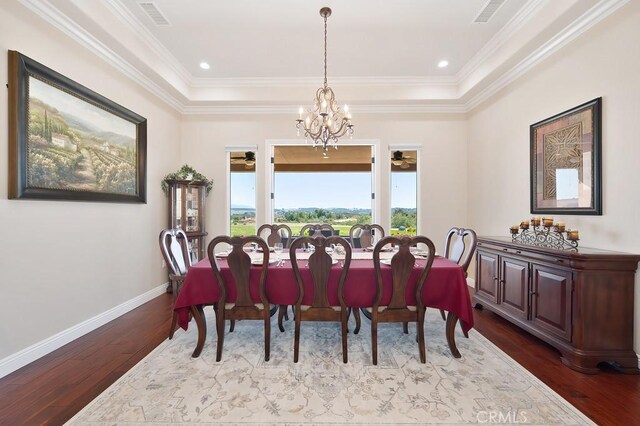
{"x":311,"y":186}
{"x":242,"y":193}
{"x":404,"y":192}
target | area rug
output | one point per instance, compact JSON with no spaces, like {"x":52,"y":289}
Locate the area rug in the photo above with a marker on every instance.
{"x":484,"y":386}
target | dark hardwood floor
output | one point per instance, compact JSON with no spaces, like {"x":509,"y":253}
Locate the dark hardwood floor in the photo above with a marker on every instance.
{"x":52,"y":389}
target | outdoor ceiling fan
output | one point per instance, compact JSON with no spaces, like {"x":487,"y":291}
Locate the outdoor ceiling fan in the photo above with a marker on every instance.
{"x":249,"y":159}
{"x":401,"y":161}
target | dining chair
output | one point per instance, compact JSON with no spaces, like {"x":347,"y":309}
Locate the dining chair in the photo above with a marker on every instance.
{"x":459,"y":246}
{"x":276,"y":234}
{"x":315,"y":230}
{"x":398,"y":310}
{"x":318,"y":307}
{"x":365,"y":234}
{"x":176,"y":252}
{"x":243,"y":307}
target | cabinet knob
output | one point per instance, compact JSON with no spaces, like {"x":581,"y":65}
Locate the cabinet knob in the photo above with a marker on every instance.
{"x":533,"y":292}
{"x":560,"y":260}
{"x":502,"y":281}
{"x":505,"y":249}
{"x":495,"y":278}
{"x":518,"y":251}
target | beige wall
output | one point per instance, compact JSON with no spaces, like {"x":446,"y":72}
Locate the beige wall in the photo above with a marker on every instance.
{"x":62,"y":263}
{"x":605,"y":62}
{"x":443,"y":160}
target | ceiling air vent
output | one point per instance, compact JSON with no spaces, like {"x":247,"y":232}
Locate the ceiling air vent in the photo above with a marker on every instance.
{"x":487,"y":12}
{"x":154,"y":13}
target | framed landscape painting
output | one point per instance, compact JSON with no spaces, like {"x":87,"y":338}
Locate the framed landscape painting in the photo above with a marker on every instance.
{"x":566,"y":162}
{"x":67,"y":142}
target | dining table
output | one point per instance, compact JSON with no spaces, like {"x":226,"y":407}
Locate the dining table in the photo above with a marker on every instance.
{"x":445,"y":288}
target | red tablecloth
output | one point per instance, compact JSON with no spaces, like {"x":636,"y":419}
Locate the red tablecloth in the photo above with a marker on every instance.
{"x":445,"y":287}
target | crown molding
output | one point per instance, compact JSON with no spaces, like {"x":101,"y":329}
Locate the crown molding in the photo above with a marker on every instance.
{"x":292,"y":109}
{"x":59,"y":20}
{"x":586,"y":21}
{"x":372,"y":81}
{"x":514,"y":25}
{"x":141,"y":31}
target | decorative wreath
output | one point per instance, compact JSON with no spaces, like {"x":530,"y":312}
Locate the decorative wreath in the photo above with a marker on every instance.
{"x":183,"y":174}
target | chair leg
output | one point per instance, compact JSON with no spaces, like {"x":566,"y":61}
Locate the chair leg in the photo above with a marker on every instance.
{"x":296,"y":339}
{"x":267,"y":335}
{"x":220,"y":330}
{"x":282,"y":313}
{"x":174,"y":318}
{"x":174,"y":321}
{"x":232,"y":325}
{"x":374,"y":338}
{"x":344,"y":316}
{"x":356,"y":315}
{"x":420,"y":327}
{"x":464,"y":332}
{"x":444,"y":317}
{"x":405,"y":327}
{"x":286,"y":312}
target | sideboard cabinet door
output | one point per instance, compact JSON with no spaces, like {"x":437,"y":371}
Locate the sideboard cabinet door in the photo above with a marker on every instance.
{"x":551,"y":300}
{"x":487,"y":280}
{"x":514,"y":278}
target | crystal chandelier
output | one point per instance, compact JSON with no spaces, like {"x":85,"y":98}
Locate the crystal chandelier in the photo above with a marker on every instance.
{"x":325,"y":122}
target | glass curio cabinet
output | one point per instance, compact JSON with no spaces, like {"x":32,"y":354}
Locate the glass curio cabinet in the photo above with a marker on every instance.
{"x":186,"y":211}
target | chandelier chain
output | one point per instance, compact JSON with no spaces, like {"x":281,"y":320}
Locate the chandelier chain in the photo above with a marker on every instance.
{"x":325,"y":51}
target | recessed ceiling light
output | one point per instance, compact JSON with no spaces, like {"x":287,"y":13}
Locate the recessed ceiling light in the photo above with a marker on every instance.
{"x":204,"y":65}
{"x":443,"y":64}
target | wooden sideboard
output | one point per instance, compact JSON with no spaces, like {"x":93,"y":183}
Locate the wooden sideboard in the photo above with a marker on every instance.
{"x":580,"y":302}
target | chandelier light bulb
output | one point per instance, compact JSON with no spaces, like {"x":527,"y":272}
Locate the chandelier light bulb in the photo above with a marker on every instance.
{"x":300,"y":111}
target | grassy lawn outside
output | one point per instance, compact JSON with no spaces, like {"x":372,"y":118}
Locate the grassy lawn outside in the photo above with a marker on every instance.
{"x":250,"y":229}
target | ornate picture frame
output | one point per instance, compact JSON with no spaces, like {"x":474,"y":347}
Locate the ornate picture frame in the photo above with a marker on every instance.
{"x":67,"y":142}
{"x":566,"y":163}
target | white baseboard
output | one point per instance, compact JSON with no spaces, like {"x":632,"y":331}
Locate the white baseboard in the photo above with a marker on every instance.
{"x":50,"y":344}
{"x":638,"y":360}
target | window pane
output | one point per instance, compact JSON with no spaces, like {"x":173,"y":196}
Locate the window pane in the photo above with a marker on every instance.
{"x":243,"y":195}
{"x":340,"y":199}
{"x":404,"y":193}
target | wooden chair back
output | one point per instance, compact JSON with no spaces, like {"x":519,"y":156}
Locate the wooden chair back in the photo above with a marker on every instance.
{"x":315,"y":230}
{"x":320,"y":264}
{"x":244,"y":307}
{"x":239,"y":263}
{"x":366,"y":234}
{"x":275,"y":234}
{"x":460,"y":245}
{"x":176,"y":250}
{"x":402,"y":264}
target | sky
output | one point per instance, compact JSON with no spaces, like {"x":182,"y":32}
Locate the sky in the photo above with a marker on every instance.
{"x":346,"y":190}
{"x":69,"y":104}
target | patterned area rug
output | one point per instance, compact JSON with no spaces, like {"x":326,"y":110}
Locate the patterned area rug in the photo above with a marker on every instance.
{"x":484,"y":386}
